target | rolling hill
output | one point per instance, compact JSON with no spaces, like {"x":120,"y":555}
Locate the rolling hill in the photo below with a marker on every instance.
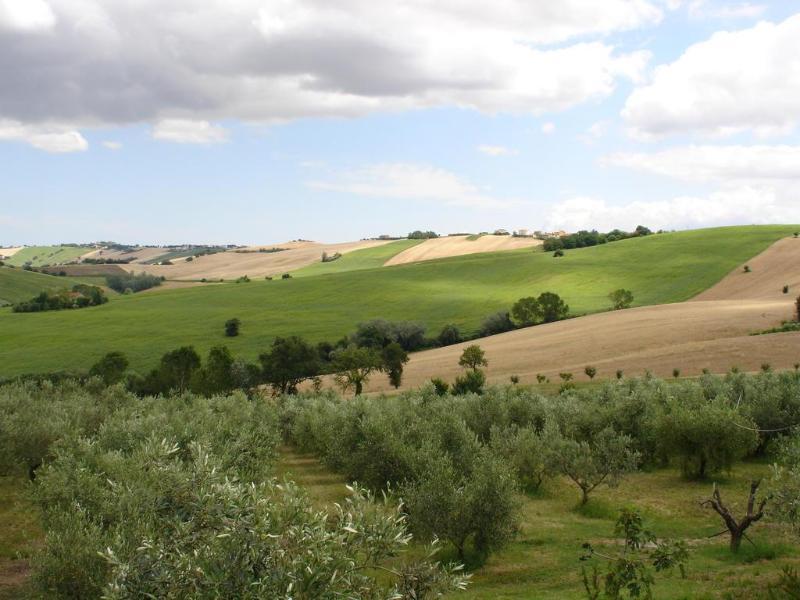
{"x":39,"y":256}
{"x":17,"y":285}
{"x":659,"y":269}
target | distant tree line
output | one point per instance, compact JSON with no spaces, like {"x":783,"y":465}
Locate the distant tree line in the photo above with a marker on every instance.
{"x":131,"y":281}
{"x":583,"y":238}
{"x":80,"y":296}
{"x":107,"y":261}
{"x":422,"y":235}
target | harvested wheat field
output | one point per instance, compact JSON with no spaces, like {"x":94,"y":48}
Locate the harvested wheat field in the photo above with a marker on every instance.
{"x":459,"y":245}
{"x":9,"y":252}
{"x":249,"y":261}
{"x":711,"y":331}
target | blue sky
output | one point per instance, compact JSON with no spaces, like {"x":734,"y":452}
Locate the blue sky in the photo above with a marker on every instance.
{"x":258,"y":122}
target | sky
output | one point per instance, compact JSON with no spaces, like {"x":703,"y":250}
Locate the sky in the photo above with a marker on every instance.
{"x":260,"y":121}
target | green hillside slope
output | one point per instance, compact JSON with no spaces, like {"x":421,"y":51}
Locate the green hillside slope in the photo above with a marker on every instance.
{"x":47,"y":255}
{"x":17,"y":285}
{"x":368,"y":258}
{"x":461,"y":290}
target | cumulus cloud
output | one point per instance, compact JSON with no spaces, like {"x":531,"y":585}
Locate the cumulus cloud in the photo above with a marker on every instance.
{"x":49,"y":138}
{"x":747,"y":80}
{"x":496,"y":150}
{"x":26,"y":15}
{"x":412,"y":182}
{"x":756,"y":205}
{"x":186,"y":131}
{"x":731,"y":165}
{"x":129,"y":61}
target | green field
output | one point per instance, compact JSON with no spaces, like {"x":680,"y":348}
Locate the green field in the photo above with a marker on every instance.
{"x":368,"y":258}
{"x":462,"y":290}
{"x":17,"y":285}
{"x":39,"y":256}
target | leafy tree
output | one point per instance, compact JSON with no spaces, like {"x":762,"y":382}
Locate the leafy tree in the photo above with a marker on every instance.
{"x":565,"y":377}
{"x":473,"y":358}
{"x":527,"y":312}
{"x":553,"y":307}
{"x":641,"y":230}
{"x":290,"y":361}
{"x":422,"y":235}
{"x":379,"y":333}
{"x":177,"y":368}
{"x":590,"y":371}
{"x":630,"y":572}
{"x":499,"y":322}
{"x":353,"y":367}
{"x":471,"y":382}
{"x":621,"y":298}
{"x":232,"y":327}
{"x":706,"y":436}
{"x":481,"y":508}
{"x":394,"y":358}
{"x":217,"y":376}
{"x":111,"y":368}
{"x":449,"y":335}
{"x":602,"y":461}
{"x":440,"y":386}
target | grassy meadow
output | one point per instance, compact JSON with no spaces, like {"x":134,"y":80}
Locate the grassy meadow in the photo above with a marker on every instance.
{"x":39,"y":256}
{"x":461,"y":290}
{"x":367,"y":258}
{"x":17,"y":285}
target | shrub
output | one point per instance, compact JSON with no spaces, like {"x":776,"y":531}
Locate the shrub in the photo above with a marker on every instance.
{"x":553,"y":307}
{"x":449,"y":335}
{"x":440,"y":386}
{"x":81,"y":296}
{"x":676,"y":373}
{"x":590,"y":371}
{"x":499,"y":322}
{"x":747,"y":268}
{"x":786,"y":289}
{"x":286,"y":276}
{"x":379,"y":333}
{"x":394,"y":358}
{"x":232,"y":327}
{"x":471,"y":382}
{"x":558,"y":253}
{"x":111,"y":368}
{"x":136,"y":283}
{"x":621,"y":299}
{"x":527,"y":312}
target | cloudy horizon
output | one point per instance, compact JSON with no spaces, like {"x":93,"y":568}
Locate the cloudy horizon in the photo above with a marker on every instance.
{"x":258,"y":121}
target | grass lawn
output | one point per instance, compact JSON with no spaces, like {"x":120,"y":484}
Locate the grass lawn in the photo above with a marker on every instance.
{"x":542,"y":562}
{"x":19,"y":533}
{"x":17,"y":285}
{"x":367,"y":258}
{"x":47,"y":255}
{"x":461,"y":290}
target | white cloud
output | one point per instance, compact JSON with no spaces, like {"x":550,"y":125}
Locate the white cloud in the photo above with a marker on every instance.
{"x":112,"y":145}
{"x":747,"y":80}
{"x":548,"y":128}
{"x":496,"y":150}
{"x":186,"y":131}
{"x":594,"y":132}
{"x":414,"y":182}
{"x":731,"y":165}
{"x":703,"y":9}
{"x":132,"y":61}
{"x":50,"y":138}
{"x":26,"y":15}
{"x":724,"y":207}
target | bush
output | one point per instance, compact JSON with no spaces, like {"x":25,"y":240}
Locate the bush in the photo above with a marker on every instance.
{"x":232,"y":327}
{"x":449,"y":335}
{"x":499,"y":322}
{"x":111,"y":368}
{"x":81,"y":296}
{"x":621,"y":299}
{"x":379,"y":333}
{"x":471,"y":382}
{"x":133,"y":282}
{"x":440,"y":386}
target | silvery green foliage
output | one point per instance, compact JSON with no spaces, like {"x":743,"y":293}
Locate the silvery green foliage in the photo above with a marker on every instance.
{"x":785,"y":484}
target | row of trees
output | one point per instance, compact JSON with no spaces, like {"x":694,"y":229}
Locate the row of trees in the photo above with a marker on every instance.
{"x":583,"y":238}
{"x":80,"y":296}
{"x":144,"y":498}
{"x":133,"y":282}
{"x":458,"y":461}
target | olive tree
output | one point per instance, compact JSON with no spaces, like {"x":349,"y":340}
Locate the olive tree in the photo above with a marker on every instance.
{"x":604,"y":460}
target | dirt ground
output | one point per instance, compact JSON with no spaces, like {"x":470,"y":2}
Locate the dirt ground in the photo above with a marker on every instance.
{"x":230,"y":265}
{"x":458,"y":246}
{"x":711,"y":331}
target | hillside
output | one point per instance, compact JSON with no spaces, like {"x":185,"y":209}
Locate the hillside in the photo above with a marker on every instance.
{"x":366,"y":258}
{"x":462,"y":290}
{"x":460,"y":245}
{"x":47,"y":255}
{"x":17,"y":285}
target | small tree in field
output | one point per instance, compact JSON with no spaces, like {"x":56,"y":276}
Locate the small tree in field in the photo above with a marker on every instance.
{"x":621,"y":298}
{"x":527,"y":312}
{"x":590,"y":371}
{"x":605,"y":460}
{"x":541,"y":378}
{"x":394,"y":358}
{"x":354,"y":365}
{"x":289,"y":362}
{"x":676,"y":373}
{"x":473,"y":358}
{"x":630,"y":572}
{"x":565,"y":377}
{"x":111,"y":368}
{"x":737,"y":528}
{"x":232,"y":327}
{"x":553,"y":307}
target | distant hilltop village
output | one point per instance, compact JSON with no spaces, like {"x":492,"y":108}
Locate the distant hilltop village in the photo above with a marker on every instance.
{"x":522,"y":232}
